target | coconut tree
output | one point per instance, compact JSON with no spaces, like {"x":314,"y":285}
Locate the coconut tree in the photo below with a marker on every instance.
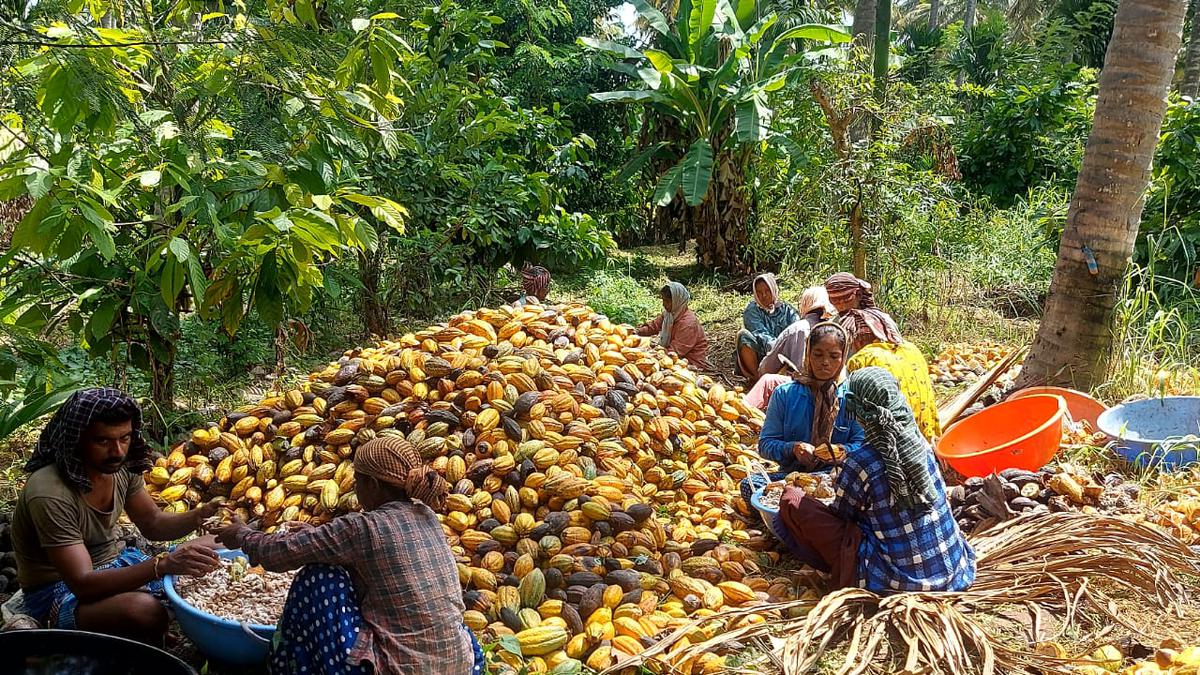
{"x":1190,"y":85}
{"x":1105,"y":212}
{"x":864,"y":23}
{"x":706,"y":82}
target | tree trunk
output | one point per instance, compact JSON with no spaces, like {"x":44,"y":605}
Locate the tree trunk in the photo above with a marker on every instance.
{"x":883,"y":45}
{"x":968,"y":24}
{"x":162,"y":385}
{"x":720,"y":222}
{"x":935,"y":7}
{"x":864,"y":23}
{"x":1076,"y":333}
{"x":858,"y":246}
{"x":374,"y":310}
{"x":1191,"y":62}
{"x":281,"y":340}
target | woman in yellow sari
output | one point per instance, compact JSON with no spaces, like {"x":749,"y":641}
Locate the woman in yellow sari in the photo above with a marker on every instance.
{"x":875,"y":342}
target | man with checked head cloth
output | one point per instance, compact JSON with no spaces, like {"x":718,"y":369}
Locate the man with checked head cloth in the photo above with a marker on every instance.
{"x":72,"y":564}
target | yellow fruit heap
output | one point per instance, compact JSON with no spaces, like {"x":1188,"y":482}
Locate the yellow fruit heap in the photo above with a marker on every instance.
{"x":593,"y":477}
{"x":1181,"y":516}
{"x":965,"y":363}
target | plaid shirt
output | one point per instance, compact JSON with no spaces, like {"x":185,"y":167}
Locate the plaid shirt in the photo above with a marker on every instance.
{"x":902,"y":549}
{"x":405,"y":578}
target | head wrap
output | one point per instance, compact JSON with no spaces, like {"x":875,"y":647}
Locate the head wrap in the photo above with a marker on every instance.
{"x":875,"y":399}
{"x":535,"y":280}
{"x":679,"y":304}
{"x":60,"y":440}
{"x":825,"y":397}
{"x":815,"y":299}
{"x":772,"y":286}
{"x":393,"y":461}
{"x":866,"y":326}
{"x":844,"y":287}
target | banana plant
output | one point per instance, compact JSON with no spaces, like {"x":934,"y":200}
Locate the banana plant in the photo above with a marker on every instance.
{"x":706,"y":83}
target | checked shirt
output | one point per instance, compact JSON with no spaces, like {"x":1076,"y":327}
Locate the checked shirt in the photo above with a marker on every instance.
{"x":902,"y":549}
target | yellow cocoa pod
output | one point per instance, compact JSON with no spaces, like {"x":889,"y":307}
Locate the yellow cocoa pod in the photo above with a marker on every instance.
{"x":275,"y":497}
{"x":487,"y":420}
{"x":158,"y":476}
{"x":612,"y":596}
{"x":542,"y":640}
{"x":173,"y":493}
{"x":601,"y":658}
{"x":330,"y":496}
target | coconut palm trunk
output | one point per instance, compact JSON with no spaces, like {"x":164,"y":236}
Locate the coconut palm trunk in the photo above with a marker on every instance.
{"x":1190,"y":86}
{"x":1102,"y":222}
{"x":935,"y":8}
{"x":864,"y":23}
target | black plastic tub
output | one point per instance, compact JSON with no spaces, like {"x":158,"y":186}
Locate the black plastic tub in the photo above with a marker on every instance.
{"x":76,"y":652}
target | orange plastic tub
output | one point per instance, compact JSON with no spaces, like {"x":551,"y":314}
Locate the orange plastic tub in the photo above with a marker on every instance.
{"x":1018,"y":434}
{"x":1081,"y":406}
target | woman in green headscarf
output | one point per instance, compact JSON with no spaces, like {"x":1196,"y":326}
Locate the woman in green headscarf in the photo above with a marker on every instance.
{"x":677,"y":327}
{"x":889,"y":528}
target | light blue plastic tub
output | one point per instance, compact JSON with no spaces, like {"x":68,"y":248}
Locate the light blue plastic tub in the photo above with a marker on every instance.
{"x":766,"y":512}
{"x":1151,"y":433}
{"x":220,"y":639}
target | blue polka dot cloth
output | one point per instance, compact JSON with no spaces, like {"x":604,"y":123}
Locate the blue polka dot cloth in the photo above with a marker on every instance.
{"x":320,"y":624}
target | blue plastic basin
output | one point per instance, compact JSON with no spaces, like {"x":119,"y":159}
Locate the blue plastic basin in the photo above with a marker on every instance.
{"x":1149,"y":433}
{"x":766,"y":512}
{"x":220,"y":639}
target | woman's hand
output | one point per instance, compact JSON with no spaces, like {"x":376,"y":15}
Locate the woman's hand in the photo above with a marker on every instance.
{"x":802,"y":451}
{"x":189,"y":560}
{"x":231,"y":535}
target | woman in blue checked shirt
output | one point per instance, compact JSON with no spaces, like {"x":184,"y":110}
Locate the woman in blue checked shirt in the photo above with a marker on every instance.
{"x":378,"y":591}
{"x":889,"y":528}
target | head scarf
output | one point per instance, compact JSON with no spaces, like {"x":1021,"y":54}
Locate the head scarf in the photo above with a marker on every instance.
{"x":772,"y":286}
{"x":679,"y":304}
{"x":393,"y":461}
{"x":825,"y":396}
{"x":59,"y":442}
{"x":815,"y":299}
{"x":874,"y":398}
{"x":866,"y":326}
{"x":535,"y":280}
{"x":843,"y":287}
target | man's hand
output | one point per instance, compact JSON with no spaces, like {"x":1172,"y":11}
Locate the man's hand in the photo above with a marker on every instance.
{"x":189,"y":560}
{"x":208,"y":541}
{"x":802,"y":451}
{"x":206,"y":511}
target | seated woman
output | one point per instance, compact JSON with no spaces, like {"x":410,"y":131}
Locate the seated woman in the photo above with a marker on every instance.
{"x":889,"y":528}
{"x":789,"y":346}
{"x":762,"y":321}
{"x":872,"y":344}
{"x":677,"y":327}
{"x":535,"y":283}
{"x":806,"y":413}
{"x":378,"y":591}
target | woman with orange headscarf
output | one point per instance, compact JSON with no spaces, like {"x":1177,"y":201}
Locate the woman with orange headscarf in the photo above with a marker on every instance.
{"x":377,"y":591}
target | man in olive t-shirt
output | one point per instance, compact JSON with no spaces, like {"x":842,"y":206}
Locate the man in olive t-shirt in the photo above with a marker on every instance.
{"x":86,"y":472}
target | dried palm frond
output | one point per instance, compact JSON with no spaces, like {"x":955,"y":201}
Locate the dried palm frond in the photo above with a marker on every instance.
{"x":1054,"y":563}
